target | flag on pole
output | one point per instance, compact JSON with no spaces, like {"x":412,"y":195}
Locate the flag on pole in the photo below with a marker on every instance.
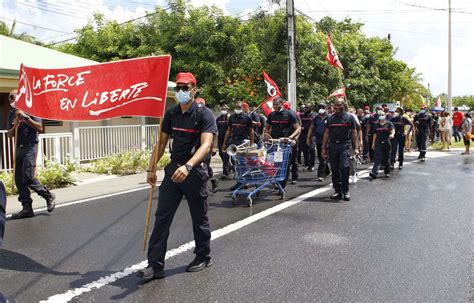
{"x":438,"y":102}
{"x":341,"y":92}
{"x":273,"y":92}
{"x":332,"y":56}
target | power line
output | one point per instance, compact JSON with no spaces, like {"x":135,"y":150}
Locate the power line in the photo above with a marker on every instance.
{"x":433,"y":8}
{"x":33,"y":25}
{"x":125,"y":22}
{"x":53,"y":11}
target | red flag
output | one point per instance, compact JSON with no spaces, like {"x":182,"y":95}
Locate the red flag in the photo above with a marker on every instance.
{"x":341,"y":92}
{"x":332,"y":56}
{"x":135,"y":87}
{"x":273,"y":92}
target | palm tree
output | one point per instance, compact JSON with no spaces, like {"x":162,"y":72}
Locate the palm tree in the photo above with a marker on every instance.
{"x":10,"y":32}
{"x":412,"y":93}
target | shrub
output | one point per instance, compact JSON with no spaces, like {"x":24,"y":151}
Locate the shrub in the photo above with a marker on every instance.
{"x":125,"y":163}
{"x":52,"y":175}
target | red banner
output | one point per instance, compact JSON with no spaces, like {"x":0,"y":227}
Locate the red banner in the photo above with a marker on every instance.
{"x":135,"y":87}
{"x":341,"y":92}
{"x":273,"y":92}
{"x":331,"y":55}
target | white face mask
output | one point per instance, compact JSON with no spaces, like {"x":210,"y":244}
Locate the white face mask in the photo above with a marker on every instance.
{"x":223,"y":112}
{"x":382,"y":118}
{"x":238,"y":111}
{"x":396,"y":115}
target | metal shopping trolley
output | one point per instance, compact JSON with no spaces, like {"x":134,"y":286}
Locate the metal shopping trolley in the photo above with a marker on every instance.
{"x":260,"y":168}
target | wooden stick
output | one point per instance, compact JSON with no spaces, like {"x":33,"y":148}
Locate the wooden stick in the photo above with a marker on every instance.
{"x":15,"y":140}
{"x":154,"y":158}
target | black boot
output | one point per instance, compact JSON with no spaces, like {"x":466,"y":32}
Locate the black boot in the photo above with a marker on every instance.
{"x":336,"y":196}
{"x":51,"y":202}
{"x":26,"y":212}
{"x":215,"y":184}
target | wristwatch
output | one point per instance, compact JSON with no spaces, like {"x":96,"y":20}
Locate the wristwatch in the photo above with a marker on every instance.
{"x":189,"y":167}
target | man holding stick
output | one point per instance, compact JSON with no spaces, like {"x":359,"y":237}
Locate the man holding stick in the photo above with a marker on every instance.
{"x":192,"y":129}
{"x":25,"y":129}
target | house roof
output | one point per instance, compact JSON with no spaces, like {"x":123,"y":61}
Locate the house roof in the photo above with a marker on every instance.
{"x":15,"y":52}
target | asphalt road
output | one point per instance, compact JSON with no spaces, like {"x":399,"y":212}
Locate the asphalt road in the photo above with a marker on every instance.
{"x":403,"y":239}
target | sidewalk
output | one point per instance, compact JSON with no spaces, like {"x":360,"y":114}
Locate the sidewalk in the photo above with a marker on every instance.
{"x":94,"y":185}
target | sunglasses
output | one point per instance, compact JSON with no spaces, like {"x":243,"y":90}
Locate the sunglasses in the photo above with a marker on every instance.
{"x":11,"y":97}
{"x":183,"y":88}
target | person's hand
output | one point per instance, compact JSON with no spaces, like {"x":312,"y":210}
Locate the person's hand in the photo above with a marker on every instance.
{"x":285,"y":140}
{"x":324,"y":152}
{"x":373,"y":146}
{"x":151,"y":178}
{"x":213,"y":153}
{"x":16,"y":121}
{"x":391,"y":137}
{"x":180,"y":174}
{"x":356,"y":152}
{"x":20,"y":114}
{"x":224,"y":148}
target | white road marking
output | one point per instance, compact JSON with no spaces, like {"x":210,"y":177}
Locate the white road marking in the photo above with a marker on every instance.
{"x":104,"y":281}
{"x":71,"y":294}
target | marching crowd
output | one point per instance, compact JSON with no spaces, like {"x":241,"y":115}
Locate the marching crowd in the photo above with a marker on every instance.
{"x":338,"y":135}
{"x":381,"y":137}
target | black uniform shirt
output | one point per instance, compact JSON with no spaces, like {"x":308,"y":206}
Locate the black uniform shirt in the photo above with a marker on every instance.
{"x":186,"y":128}
{"x":340,"y":128}
{"x":241,"y":125}
{"x":422,"y":120}
{"x":26,"y":133}
{"x":373,"y":120}
{"x":383,"y":131}
{"x":222,"y":125}
{"x":306,"y":121}
{"x":399,"y":123}
{"x":281,"y":123}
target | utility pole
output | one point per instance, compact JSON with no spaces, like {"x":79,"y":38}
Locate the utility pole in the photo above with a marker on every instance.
{"x":291,"y":85}
{"x":450,"y":101}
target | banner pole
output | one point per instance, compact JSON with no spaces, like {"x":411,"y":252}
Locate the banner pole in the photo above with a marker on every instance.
{"x":154,"y":157}
{"x":15,"y":140}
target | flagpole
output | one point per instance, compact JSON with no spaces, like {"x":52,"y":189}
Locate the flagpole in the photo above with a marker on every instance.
{"x":450,"y":101}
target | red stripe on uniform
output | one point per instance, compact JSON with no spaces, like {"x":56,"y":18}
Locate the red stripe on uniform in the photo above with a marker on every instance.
{"x":239,"y":125}
{"x":340,"y":124}
{"x":187,"y":130}
{"x":281,"y":122}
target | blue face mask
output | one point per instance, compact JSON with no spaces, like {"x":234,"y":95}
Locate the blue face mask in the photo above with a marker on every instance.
{"x":422,"y":111}
{"x":183,"y":97}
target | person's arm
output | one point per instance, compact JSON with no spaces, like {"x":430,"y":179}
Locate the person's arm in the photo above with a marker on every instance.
{"x":11,"y":130}
{"x":324,"y":151}
{"x":227,"y":134}
{"x":251,"y":135}
{"x":373,"y":140}
{"x":35,"y":123}
{"x":255,"y":120}
{"x":355,"y":145}
{"x":369,"y":127}
{"x":158,"y":150}
{"x":310,"y":134}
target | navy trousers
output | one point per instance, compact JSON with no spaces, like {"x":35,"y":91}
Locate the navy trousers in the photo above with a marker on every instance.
{"x":382,"y":157}
{"x":3,"y":206}
{"x":194,"y":188}
{"x":339,"y":157}
{"x":25,"y":179}
{"x":398,"y":144}
{"x":421,"y":137}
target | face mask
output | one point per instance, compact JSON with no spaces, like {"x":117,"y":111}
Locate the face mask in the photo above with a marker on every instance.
{"x":183,"y":97}
{"x":396,"y":115}
{"x":381,"y":118}
{"x":238,"y":111}
{"x":422,"y":111}
{"x":223,"y":112}
{"x":13,"y":104}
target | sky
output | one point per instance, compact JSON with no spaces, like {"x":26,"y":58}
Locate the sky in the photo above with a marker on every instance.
{"x":418,"y":28}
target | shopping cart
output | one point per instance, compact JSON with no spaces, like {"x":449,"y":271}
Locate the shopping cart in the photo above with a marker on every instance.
{"x":261,"y":168}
